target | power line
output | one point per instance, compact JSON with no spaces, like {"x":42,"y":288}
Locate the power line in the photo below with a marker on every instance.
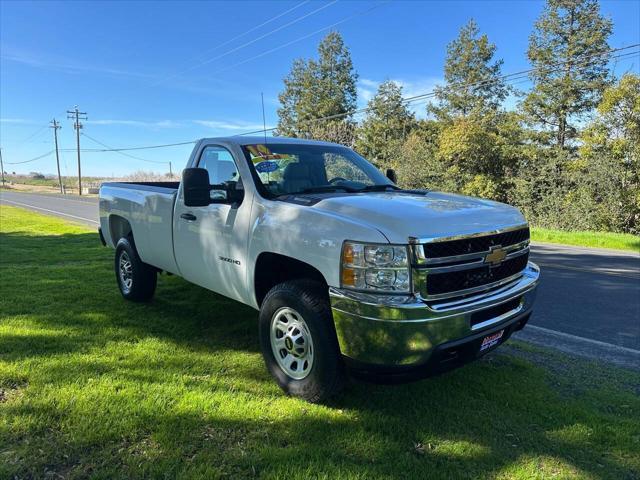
{"x":125,"y":149}
{"x":243,"y":34}
{"x":40,"y":129}
{"x":304,"y":37}
{"x":32,"y":160}
{"x":416,"y":98}
{"x":246,"y":44}
{"x":423,"y":96}
{"x":522,"y":73}
{"x":34,"y":134}
{"x":515,"y":75}
{"x":257,"y":27}
{"x":119,"y":151}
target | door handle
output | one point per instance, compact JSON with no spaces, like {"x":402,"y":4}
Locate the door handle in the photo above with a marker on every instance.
{"x":189,"y":216}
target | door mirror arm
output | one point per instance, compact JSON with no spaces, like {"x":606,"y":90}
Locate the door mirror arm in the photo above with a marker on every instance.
{"x":235,"y":193}
{"x":391,"y":175}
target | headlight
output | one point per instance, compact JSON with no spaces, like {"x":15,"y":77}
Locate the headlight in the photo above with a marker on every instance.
{"x":381,"y":268}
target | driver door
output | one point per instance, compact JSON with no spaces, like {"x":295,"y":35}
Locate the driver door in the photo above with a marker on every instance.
{"x":207,"y":240}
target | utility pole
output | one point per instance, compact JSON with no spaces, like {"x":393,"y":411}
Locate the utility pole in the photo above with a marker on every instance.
{"x":56,"y":126}
{"x":2,"y":167}
{"x":77,"y":116}
{"x":170,"y":171}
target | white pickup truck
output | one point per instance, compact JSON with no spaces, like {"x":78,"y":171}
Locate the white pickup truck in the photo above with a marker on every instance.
{"x":347,"y":270}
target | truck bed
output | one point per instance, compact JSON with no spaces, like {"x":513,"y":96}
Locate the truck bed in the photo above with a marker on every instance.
{"x":147,"y":207}
{"x":152,"y":186}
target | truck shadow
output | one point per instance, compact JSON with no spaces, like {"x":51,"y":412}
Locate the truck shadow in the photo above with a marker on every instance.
{"x":66,"y":283}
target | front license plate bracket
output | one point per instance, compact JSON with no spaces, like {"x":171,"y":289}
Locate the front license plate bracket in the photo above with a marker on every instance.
{"x":491,"y":341}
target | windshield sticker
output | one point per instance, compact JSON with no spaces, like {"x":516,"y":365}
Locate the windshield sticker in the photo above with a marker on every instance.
{"x":261,"y":152}
{"x":266,"y":167}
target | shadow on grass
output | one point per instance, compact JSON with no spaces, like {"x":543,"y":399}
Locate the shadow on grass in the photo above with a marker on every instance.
{"x":78,"y":295}
{"x":176,"y":387}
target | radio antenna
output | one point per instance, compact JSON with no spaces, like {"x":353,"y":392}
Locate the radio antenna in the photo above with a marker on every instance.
{"x":264,"y":121}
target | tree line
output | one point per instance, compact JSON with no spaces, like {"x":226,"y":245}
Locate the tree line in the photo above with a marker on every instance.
{"x":568,"y":154}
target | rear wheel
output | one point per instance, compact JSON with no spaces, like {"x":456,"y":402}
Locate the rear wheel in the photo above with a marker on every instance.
{"x":136,"y":279}
{"x":298,"y":340}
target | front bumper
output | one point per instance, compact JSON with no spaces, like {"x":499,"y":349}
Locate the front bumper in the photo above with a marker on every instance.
{"x":405,"y":331}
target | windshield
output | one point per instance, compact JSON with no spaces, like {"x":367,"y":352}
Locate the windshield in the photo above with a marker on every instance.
{"x":305,"y":168}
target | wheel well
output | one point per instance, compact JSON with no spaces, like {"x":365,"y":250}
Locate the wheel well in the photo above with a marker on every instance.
{"x":273,"y":268}
{"x":119,"y":227}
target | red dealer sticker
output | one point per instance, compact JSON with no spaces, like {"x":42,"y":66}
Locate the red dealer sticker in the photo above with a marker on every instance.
{"x":491,"y":340}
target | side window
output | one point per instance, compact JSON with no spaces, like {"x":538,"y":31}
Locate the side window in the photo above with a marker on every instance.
{"x":220,"y":164}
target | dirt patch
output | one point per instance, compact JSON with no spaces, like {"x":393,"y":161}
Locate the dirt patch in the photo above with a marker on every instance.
{"x":11,"y":390}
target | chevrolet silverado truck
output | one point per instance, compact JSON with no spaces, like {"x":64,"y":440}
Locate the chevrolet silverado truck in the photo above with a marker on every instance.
{"x":349,"y":272}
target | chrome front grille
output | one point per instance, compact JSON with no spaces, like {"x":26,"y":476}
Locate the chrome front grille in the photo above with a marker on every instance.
{"x":468,"y":265}
{"x":476,"y":243}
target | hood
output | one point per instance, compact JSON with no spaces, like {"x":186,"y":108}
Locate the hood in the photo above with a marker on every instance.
{"x":400,"y":216}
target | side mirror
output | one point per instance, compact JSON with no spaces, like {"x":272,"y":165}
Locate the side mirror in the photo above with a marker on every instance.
{"x":391,"y":175}
{"x":195,"y":185}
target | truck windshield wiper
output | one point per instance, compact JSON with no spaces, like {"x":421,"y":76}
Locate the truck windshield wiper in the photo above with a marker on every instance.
{"x":378,"y":188}
{"x":329,"y":188}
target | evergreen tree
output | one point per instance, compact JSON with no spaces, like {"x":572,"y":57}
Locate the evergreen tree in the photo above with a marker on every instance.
{"x":469,"y":142}
{"x":318,"y":88}
{"x":568,"y":50}
{"x":473,"y":78}
{"x":386,"y":125}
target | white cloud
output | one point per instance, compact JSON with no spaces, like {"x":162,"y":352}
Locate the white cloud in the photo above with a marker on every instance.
{"x":229,"y":125}
{"x":19,"y":121}
{"x":56,"y":62}
{"x":138,"y":123}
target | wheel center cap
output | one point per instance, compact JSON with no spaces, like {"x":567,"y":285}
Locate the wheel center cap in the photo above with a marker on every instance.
{"x":288,"y":343}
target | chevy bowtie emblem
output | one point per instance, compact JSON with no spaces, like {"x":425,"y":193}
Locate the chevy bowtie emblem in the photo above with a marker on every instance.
{"x":495,"y":256}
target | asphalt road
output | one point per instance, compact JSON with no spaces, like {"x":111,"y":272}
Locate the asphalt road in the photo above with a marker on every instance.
{"x":70,"y":207}
{"x":588,"y":300}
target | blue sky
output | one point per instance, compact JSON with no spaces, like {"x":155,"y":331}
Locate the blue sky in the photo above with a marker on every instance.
{"x":162,"y":72}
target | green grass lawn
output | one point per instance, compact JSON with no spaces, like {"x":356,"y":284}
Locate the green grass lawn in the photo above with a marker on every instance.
{"x":618,"y":241}
{"x":92,"y":386}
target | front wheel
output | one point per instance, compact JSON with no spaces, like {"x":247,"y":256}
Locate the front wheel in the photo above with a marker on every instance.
{"x":298,"y":341}
{"x":136,"y":280}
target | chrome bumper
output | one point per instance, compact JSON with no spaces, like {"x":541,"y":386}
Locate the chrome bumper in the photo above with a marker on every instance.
{"x":405,"y":330}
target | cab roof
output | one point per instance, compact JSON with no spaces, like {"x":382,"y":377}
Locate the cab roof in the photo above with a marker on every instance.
{"x":260,"y":140}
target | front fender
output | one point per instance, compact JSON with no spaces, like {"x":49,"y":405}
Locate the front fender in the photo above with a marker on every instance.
{"x":311,"y":236}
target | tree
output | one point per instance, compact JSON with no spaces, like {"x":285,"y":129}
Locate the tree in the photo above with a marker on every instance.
{"x":386,"y":125}
{"x":610,"y":157}
{"x":468,"y":144}
{"x":416,"y":162}
{"x":333,"y":131}
{"x":319,"y":88}
{"x":568,"y":51}
{"x":473,"y":79}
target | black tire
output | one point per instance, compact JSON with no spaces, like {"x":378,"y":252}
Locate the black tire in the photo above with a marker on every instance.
{"x":143,"y":277}
{"x":325,"y":376}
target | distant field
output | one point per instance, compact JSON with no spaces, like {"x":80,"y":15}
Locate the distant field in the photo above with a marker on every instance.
{"x":92,"y":386}
{"x":620,"y":241}
{"x":47,"y":185}
{"x":49,"y":181}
